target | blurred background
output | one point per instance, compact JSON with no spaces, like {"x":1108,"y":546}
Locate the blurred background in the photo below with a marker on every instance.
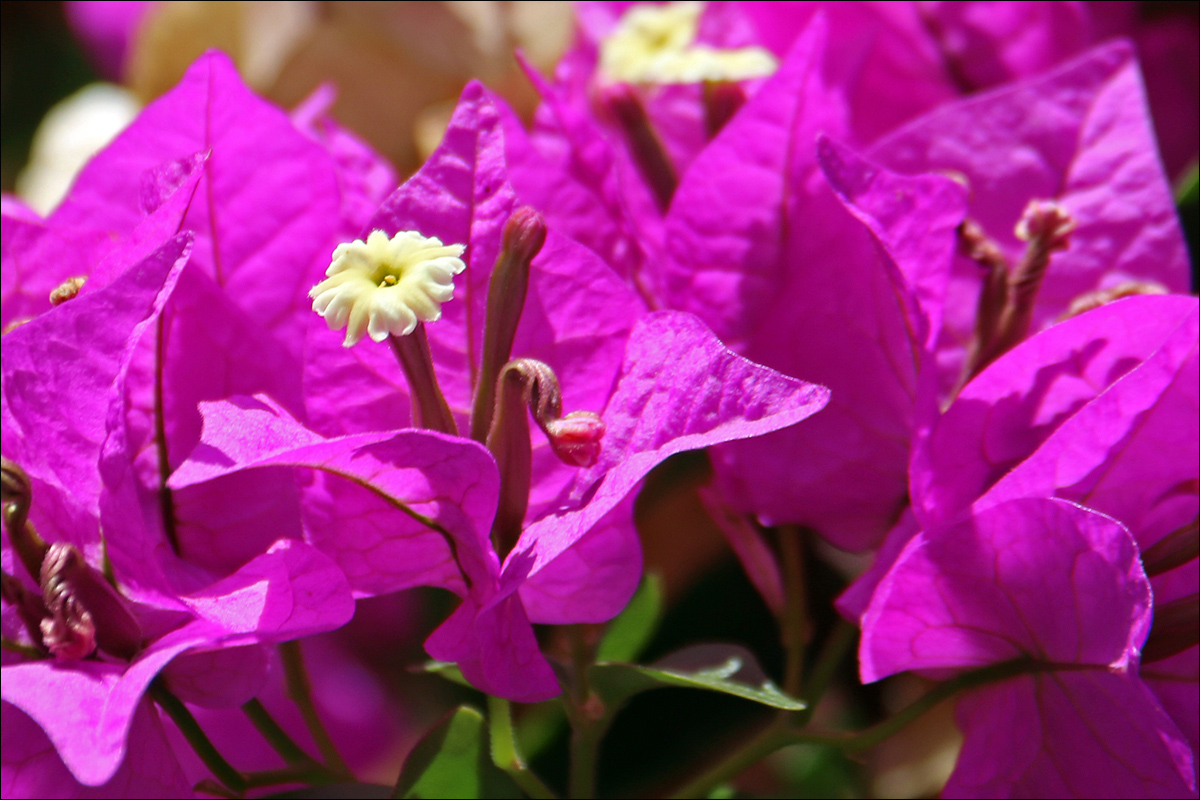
{"x":73,"y":74}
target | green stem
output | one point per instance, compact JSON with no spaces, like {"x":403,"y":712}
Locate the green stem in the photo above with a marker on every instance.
{"x":430,"y":409}
{"x":770,"y":739}
{"x":21,"y":649}
{"x":275,"y":735}
{"x":794,"y":620}
{"x":191,"y":730}
{"x":778,"y":735}
{"x":865,"y":740}
{"x":504,"y":750}
{"x":832,"y":653}
{"x":311,"y":774}
{"x":214,"y":788}
{"x":585,"y":728}
{"x":584,"y":745}
{"x":300,"y":691}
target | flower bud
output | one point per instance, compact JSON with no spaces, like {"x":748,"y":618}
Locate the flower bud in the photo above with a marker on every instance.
{"x":524,"y":235}
{"x":576,"y":437}
{"x":83,"y":610}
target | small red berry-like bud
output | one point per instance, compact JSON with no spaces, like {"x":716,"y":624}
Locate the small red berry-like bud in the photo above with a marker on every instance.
{"x":576,"y":437}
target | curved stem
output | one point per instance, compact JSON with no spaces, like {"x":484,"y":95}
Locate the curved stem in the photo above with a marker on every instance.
{"x":300,"y":691}
{"x":191,"y":730}
{"x":778,"y":735}
{"x":866,"y":739}
{"x":504,"y":750}
{"x":276,"y":736}
{"x":770,"y":739}
{"x":830,"y":658}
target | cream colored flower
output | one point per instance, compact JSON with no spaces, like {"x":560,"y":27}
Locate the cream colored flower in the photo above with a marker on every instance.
{"x":656,"y":44}
{"x":384,"y":286}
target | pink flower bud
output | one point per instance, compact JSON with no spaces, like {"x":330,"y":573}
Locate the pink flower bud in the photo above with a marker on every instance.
{"x":84,"y":610}
{"x":576,"y":437}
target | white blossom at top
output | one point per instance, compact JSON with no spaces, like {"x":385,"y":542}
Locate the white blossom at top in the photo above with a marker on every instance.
{"x":71,"y":133}
{"x":384,"y":286}
{"x":656,"y":44}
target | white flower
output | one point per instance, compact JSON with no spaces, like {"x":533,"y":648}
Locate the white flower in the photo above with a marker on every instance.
{"x":656,"y":44}
{"x":384,"y":286}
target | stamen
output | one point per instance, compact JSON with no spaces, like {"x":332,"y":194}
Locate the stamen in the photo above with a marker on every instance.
{"x":67,"y":290}
{"x":1008,"y":296}
{"x":1102,"y":297}
{"x":383,"y":286}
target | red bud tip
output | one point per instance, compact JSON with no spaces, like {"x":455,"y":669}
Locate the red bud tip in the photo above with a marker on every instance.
{"x":576,"y":438}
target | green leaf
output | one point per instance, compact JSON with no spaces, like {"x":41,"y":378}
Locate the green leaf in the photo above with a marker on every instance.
{"x":628,"y":634}
{"x":444,"y":669}
{"x":725,"y":668}
{"x":1187,"y":188}
{"x":452,"y":760}
{"x":539,"y":726}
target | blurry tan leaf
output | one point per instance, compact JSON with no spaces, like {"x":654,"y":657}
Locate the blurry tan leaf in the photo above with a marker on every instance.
{"x":394,"y":63}
{"x":381,"y":88}
{"x":257,"y":34}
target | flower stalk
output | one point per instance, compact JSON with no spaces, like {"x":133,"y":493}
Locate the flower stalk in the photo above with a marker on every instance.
{"x":524,"y":235}
{"x":429,"y":407}
{"x":623,"y":104}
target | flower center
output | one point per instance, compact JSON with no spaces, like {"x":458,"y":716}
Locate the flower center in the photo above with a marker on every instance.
{"x":656,"y":44}
{"x":382,"y":287}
